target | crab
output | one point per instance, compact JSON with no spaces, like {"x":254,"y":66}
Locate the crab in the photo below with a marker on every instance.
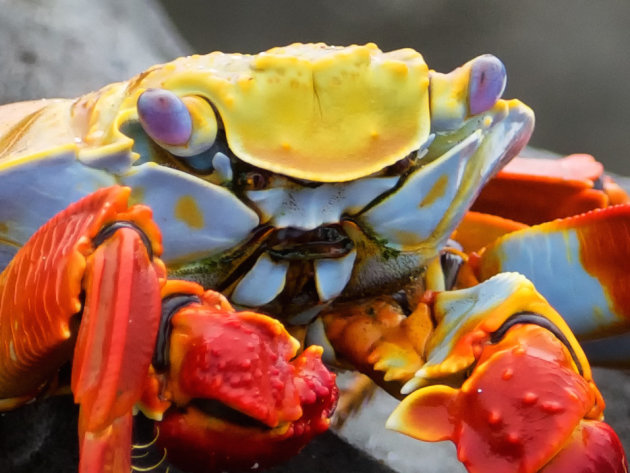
{"x":208,"y":240}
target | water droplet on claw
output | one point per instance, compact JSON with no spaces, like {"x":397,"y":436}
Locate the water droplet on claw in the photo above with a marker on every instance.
{"x":530,"y":398}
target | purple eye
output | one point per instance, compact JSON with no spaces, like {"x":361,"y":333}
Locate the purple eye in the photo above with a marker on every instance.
{"x":164,"y":117}
{"x":487,"y":82}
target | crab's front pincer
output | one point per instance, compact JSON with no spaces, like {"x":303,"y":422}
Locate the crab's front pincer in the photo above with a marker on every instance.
{"x":527,"y":402}
{"x":241,"y":395}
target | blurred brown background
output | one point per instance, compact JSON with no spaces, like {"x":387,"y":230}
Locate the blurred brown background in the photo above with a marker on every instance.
{"x":568,"y":59}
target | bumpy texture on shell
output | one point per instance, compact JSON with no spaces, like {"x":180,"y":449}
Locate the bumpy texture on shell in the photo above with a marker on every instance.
{"x":309,"y":111}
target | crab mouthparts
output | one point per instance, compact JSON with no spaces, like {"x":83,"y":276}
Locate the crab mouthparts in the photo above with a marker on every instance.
{"x":294,"y":244}
{"x":327,"y":248}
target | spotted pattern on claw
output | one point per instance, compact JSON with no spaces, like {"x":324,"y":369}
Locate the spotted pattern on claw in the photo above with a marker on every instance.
{"x":500,"y":421}
{"x":243,"y":395}
{"x":242,"y":361}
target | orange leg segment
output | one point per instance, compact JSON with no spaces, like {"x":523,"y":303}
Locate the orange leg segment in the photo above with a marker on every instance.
{"x":114,"y":347}
{"x":533,"y":191}
{"x":43,"y":317}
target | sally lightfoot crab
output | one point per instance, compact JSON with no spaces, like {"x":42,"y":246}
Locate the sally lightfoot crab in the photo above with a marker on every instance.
{"x":324,"y":192}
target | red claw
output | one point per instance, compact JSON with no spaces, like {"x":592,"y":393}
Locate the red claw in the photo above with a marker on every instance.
{"x":242,"y":397}
{"x":593,"y":448}
{"x":524,"y":408}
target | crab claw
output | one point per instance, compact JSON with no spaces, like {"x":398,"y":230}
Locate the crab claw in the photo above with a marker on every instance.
{"x":529,"y":403}
{"x":500,"y":418}
{"x":241,"y":396}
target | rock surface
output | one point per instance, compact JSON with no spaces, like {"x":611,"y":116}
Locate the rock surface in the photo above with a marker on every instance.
{"x":65,"y":48}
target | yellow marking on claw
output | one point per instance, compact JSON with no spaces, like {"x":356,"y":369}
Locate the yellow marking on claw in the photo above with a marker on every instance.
{"x":395,"y":361}
{"x":467,"y":336}
{"x":435,"y":276}
{"x":187,"y":210}
{"x":424,"y":414}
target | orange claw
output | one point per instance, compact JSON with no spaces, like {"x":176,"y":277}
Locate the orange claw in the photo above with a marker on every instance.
{"x":523,"y":404}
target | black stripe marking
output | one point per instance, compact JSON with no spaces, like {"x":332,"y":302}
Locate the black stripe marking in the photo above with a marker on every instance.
{"x":108,"y":230}
{"x":541,"y":321}
{"x":170,"y":306}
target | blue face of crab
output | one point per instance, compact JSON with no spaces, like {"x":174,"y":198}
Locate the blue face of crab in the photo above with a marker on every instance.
{"x":263,"y":236}
{"x":356,"y":236}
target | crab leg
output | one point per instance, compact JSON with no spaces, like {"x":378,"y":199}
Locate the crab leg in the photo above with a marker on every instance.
{"x":114,"y":347}
{"x":579,"y":264}
{"x":525,"y":187}
{"x":86,"y":250}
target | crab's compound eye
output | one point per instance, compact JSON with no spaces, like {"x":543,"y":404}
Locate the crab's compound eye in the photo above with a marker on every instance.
{"x":164,"y":117}
{"x":184,"y":126}
{"x":254,"y":180}
{"x":487,"y":82}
